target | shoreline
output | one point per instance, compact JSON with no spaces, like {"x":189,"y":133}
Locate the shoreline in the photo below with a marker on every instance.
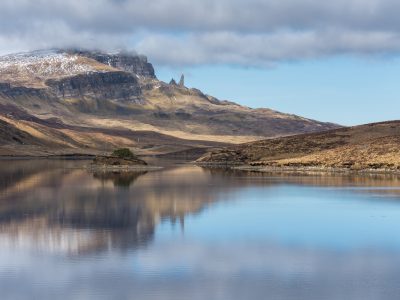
{"x":83,"y":157}
{"x":55,"y":156}
{"x":300,"y":169}
{"x":126,"y":168}
{"x":221,"y":165}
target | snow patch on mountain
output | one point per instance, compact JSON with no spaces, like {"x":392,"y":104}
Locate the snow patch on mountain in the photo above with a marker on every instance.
{"x":47,"y":63}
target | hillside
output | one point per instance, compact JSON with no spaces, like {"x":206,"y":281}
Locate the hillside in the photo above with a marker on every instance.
{"x":70,"y":101}
{"x":371,"y":146}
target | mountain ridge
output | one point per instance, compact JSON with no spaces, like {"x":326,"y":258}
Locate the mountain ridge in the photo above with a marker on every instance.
{"x":97,"y":90}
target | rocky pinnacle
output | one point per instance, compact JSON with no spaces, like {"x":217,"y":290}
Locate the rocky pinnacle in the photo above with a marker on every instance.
{"x":182,"y":81}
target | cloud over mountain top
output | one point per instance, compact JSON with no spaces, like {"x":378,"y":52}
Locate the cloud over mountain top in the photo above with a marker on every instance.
{"x":181,"y":32}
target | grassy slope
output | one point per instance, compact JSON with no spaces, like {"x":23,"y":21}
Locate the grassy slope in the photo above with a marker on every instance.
{"x":25,"y":134}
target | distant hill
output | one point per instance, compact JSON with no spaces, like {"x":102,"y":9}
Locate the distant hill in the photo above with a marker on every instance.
{"x":69,"y":101}
{"x":371,"y":146}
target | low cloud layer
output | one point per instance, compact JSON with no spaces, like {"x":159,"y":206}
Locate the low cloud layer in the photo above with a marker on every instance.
{"x":181,"y":32}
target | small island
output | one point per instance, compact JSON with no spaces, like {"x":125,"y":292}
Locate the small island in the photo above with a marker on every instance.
{"x":120,"y":159}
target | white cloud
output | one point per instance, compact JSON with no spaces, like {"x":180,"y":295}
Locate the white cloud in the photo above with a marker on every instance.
{"x":181,"y":32}
{"x":264,"y":49}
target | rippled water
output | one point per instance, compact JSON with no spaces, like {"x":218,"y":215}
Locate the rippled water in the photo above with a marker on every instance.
{"x":191,"y":233}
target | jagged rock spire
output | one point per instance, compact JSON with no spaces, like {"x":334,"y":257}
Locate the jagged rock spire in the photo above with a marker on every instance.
{"x":182,"y":81}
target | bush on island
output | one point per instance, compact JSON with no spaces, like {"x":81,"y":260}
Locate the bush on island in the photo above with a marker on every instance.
{"x":124,"y":153}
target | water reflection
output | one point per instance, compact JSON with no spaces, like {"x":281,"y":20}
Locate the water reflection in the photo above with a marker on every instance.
{"x":237,"y":234}
{"x":58,"y":206}
{"x":368,"y":183}
{"x":119,"y":178}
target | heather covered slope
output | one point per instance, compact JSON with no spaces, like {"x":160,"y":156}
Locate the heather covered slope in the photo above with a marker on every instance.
{"x":84,"y":101}
{"x":371,"y":146}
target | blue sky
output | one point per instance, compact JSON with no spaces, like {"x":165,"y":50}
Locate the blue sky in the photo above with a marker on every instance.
{"x":345,"y":90}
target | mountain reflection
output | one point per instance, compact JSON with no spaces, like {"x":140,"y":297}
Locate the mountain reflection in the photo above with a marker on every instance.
{"x":58,"y":206}
{"x":61,"y":207}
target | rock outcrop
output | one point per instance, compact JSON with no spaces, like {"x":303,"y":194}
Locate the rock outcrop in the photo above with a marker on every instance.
{"x":182,"y":81}
{"x":8,"y":90}
{"x":128,"y":62}
{"x":109,"y":85}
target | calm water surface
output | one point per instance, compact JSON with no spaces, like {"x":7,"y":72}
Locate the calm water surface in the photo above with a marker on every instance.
{"x":191,"y":233}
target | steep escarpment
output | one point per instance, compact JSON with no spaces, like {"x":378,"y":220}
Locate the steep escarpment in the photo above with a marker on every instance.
{"x":372,"y":146}
{"x":113,"y":85}
{"x":8,"y":90}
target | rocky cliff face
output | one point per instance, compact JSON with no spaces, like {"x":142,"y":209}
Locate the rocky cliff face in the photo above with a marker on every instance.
{"x":10,"y":91}
{"x":110,"y":85}
{"x":131,"y":63}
